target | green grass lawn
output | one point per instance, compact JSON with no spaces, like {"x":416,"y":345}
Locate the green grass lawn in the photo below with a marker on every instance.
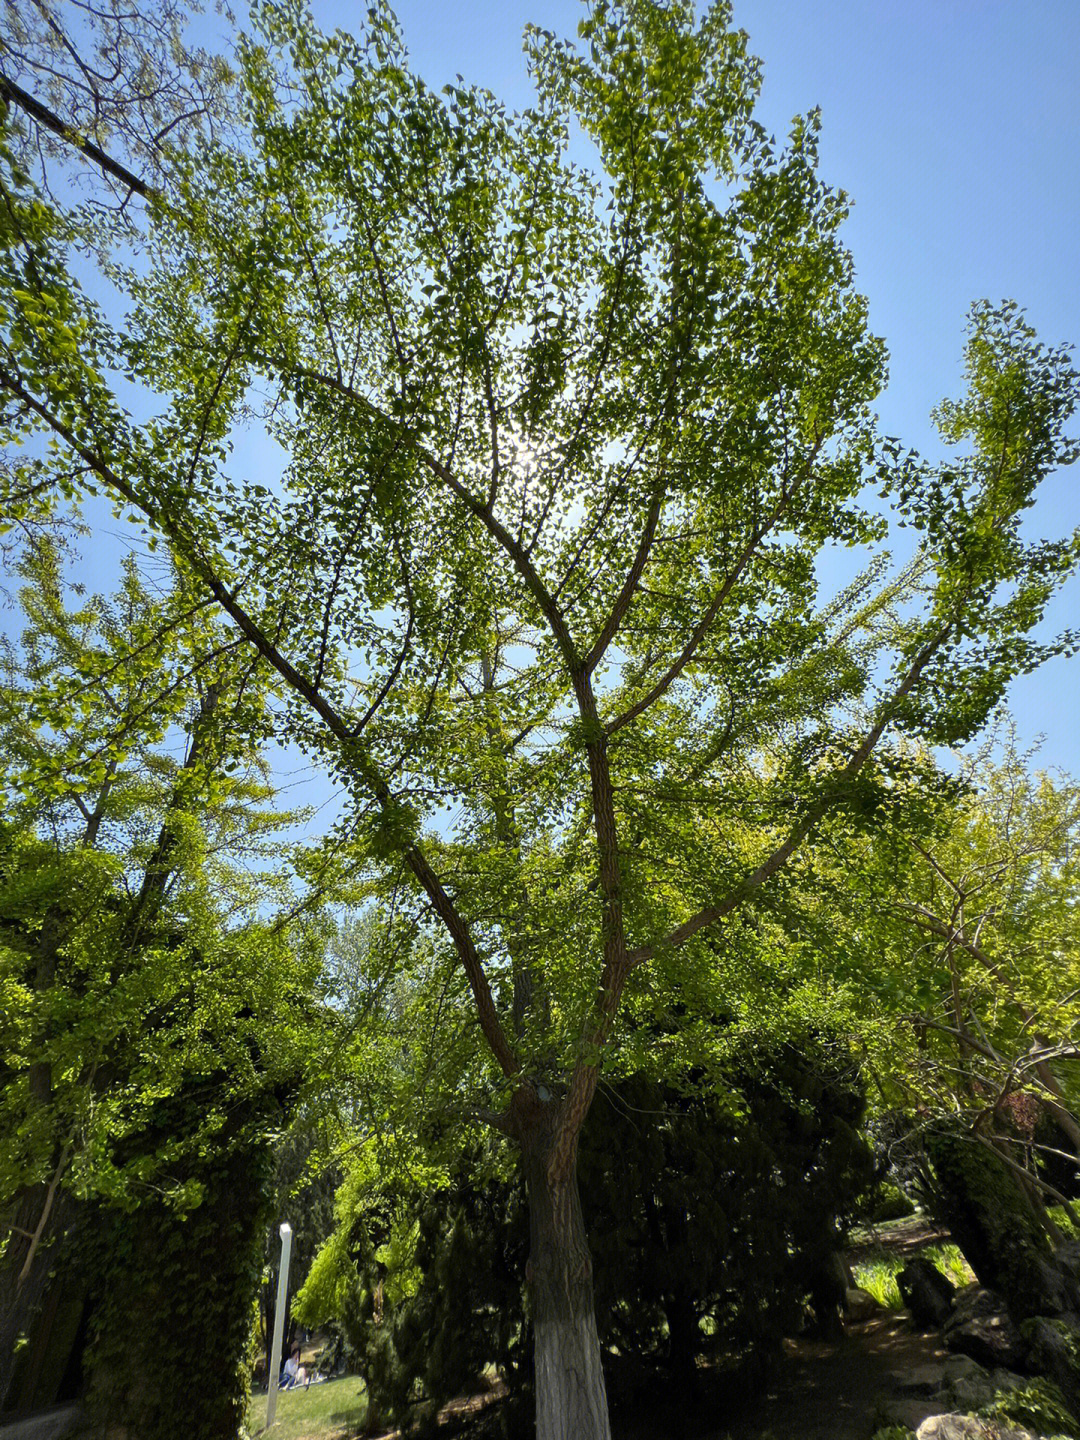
{"x":330,"y":1411}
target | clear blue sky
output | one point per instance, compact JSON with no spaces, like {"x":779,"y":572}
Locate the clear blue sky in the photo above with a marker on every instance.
{"x":954,"y":125}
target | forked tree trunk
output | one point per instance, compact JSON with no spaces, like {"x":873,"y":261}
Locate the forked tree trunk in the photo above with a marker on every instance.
{"x":571,"y":1401}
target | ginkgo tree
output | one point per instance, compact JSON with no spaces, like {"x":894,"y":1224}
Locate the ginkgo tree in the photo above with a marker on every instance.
{"x":980,"y":916}
{"x":157,"y":1004}
{"x":988,"y":906}
{"x":538,"y":572}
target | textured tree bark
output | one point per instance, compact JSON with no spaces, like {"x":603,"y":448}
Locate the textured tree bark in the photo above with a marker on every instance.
{"x":34,"y":1218}
{"x":571,"y":1400}
{"x":684,"y":1338}
{"x":994,"y":1221}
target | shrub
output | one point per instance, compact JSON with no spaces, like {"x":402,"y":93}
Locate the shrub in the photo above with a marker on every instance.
{"x":877,"y":1276}
{"x":713,"y":1217}
{"x":1038,"y":1407}
{"x":892,"y":1205}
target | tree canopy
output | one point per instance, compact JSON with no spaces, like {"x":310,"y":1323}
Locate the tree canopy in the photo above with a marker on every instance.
{"x":154,"y":1009}
{"x":516,"y":476}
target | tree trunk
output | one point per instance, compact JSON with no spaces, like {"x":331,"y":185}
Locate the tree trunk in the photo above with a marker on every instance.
{"x":34,"y":1212}
{"x":684,"y":1336}
{"x":993,"y":1220}
{"x":571,"y":1401}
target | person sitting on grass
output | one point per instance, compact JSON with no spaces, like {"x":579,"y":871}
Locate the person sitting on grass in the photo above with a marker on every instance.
{"x":294,"y":1374}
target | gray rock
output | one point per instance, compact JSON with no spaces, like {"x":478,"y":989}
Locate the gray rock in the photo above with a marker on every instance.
{"x":972,"y":1387}
{"x":966,"y":1427}
{"x":860,"y":1304}
{"x":980,"y":1326}
{"x":1008,"y":1380}
{"x":970,"y":1394}
{"x":54,"y":1424}
{"x":926,"y":1292}
{"x":1055,"y":1286}
{"x":961,"y":1367}
{"x":920,"y":1380}
{"x":965,"y":1296}
{"x":909,"y":1413}
{"x":1068,"y":1256}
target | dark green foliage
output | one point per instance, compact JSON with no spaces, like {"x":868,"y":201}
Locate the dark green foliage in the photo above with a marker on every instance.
{"x":172,"y":1288}
{"x":172,"y":1305}
{"x":720,"y":1208}
{"x":723,"y":1210}
{"x":892,"y":1204}
{"x":1054,"y":1352}
{"x":465,"y":1267}
{"x":1038,"y":1407}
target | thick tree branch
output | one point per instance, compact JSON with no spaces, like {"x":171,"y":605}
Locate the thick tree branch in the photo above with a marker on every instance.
{"x":629,"y":587}
{"x":46,"y":1210}
{"x":331,"y":718}
{"x":42,"y":115}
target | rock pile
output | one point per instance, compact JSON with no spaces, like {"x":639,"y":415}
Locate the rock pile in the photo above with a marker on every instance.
{"x":991,"y":1357}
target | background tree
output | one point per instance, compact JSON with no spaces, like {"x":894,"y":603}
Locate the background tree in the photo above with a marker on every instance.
{"x":991,"y":897}
{"x":151,"y":1017}
{"x":114,"y":86}
{"x":974,"y":940}
{"x":539,"y":574}
{"x":305,"y":1180}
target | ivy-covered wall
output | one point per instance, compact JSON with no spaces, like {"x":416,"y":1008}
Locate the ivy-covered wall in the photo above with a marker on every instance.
{"x":171,"y":1299}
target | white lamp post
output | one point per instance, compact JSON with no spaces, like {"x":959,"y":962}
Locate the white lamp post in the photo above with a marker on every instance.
{"x":279,"y":1324}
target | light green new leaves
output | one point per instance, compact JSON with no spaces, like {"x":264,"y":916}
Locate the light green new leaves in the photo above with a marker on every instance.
{"x":544,"y":465}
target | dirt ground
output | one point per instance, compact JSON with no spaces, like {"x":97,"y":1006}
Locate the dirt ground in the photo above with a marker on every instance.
{"x":878,"y":1374}
{"x":902,"y":1237}
{"x":843,"y":1391}
{"x":820,"y":1391}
